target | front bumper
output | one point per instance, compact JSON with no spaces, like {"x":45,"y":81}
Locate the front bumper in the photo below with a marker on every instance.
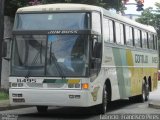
{"x":72,"y":98}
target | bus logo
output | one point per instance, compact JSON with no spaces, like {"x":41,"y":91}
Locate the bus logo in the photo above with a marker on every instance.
{"x":63,"y":32}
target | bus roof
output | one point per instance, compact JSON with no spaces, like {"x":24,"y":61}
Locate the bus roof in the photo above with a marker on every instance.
{"x":58,"y":7}
{"x":83,"y":7}
{"x":126,"y":20}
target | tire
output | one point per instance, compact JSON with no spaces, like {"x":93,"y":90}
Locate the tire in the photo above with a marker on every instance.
{"x":42,"y":109}
{"x":145,"y":93}
{"x":132,"y":99}
{"x":102,"y":108}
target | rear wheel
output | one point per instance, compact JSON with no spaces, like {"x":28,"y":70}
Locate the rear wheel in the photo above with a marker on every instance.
{"x":144,"y":96}
{"x":42,"y":109}
{"x":145,"y":93}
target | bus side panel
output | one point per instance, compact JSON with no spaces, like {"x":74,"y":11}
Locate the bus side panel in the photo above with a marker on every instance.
{"x":141,"y":65}
{"x":130,"y":67}
{"x":110,"y":72}
{"x":122,"y":72}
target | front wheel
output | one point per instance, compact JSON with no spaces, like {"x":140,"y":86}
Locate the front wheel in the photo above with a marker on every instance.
{"x":102,"y":108}
{"x":42,"y":109}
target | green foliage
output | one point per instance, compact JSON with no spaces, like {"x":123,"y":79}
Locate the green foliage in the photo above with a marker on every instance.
{"x":4,"y":95}
{"x":147,"y":17}
{"x":151,"y":17}
{"x":12,"y":5}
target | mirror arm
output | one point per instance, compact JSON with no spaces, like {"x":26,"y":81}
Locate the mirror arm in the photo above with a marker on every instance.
{"x":6,"y":58}
{"x":7,"y":38}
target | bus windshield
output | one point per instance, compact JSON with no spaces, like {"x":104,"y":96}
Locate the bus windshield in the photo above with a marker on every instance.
{"x":50,"y":54}
{"x":51,"y":21}
{"x":61,"y":55}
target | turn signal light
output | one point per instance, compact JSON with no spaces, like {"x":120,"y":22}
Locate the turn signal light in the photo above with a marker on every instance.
{"x":85,"y":86}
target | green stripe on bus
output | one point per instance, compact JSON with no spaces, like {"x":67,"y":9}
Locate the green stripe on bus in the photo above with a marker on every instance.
{"x":122,"y":72}
{"x":55,"y":81}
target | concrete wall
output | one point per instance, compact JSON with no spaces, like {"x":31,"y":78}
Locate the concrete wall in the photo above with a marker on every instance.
{"x":8,"y":24}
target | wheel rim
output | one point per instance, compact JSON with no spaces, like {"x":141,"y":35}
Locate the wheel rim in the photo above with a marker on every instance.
{"x":147,"y":93}
{"x":144,"y":94}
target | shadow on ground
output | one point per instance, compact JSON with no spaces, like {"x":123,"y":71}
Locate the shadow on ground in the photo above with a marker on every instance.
{"x":77,"y":113}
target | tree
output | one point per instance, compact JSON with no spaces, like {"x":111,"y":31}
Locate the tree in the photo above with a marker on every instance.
{"x":1,"y":33}
{"x":151,"y":17}
{"x":12,"y":5}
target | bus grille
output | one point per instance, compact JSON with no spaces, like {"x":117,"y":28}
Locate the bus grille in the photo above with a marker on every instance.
{"x":47,"y":85}
{"x":53,"y":85}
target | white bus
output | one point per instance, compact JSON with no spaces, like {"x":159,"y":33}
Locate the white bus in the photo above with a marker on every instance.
{"x":80,"y":56}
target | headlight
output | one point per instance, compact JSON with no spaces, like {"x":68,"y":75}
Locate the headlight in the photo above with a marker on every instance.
{"x":20,"y":84}
{"x":77,"y":85}
{"x":14,"y":85}
{"x":74,"y":83}
{"x":70,"y":85}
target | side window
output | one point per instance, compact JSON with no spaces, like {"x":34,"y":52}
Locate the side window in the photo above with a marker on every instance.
{"x":129,"y":36}
{"x":150,"y":40}
{"x":155,"y":42}
{"x":119,"y":33}
{"x":144,"y":40}
{"x":137,"y":38}
{"x":106,"y":30}
{"x":96,"y":22}
{"x":111,"y":31}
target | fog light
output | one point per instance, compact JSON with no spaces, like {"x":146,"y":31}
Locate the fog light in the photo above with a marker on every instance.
{"x":77,"y":96}
{"x":71,"y":96}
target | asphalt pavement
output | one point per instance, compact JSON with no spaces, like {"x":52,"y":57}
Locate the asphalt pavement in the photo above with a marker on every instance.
{"x":5,"y":105}
{"x":154,"y":98}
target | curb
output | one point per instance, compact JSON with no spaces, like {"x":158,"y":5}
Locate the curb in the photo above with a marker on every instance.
{"x":5,"y":105}
{"x":13,"y":107}
{"x":154,"y":105}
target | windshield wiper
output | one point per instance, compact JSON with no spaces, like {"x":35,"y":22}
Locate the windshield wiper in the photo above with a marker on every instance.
{"x":35,"y":60}
{"x":52,"y":56}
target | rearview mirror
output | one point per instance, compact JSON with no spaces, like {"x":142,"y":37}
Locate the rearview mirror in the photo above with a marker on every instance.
{"x":6,"y":48}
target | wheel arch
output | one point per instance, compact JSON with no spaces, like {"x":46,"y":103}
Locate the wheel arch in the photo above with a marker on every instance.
{"x":150,"y":83}
{"x":145,"y":79}
{"x":108,"y":88}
